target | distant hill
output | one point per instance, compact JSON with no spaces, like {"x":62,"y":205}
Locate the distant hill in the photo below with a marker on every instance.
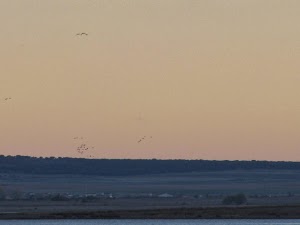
{"x":117,"y":167}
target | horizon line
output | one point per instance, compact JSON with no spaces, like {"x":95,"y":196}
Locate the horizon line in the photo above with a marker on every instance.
{"x":160,"y":159}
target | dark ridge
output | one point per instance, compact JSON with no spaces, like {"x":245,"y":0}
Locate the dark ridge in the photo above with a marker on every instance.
{"x":121,"y":167}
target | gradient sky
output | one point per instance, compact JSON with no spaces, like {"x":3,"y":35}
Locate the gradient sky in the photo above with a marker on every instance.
{"x":210,"y":79}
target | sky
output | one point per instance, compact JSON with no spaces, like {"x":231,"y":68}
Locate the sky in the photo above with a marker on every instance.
{"x":201,"y":79}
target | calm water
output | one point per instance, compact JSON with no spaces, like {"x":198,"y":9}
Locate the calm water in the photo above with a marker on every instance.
{"x":150,"y":222}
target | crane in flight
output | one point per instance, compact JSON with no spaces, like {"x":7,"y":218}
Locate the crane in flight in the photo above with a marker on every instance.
{"x":82,"y":34}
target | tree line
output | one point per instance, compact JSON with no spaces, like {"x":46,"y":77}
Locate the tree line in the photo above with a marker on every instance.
{"x":117,"y":167}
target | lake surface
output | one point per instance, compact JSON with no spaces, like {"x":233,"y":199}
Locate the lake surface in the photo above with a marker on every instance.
{"x":150,"y":222}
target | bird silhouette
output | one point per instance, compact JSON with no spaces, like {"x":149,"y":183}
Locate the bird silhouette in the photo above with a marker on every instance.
{"x":81,"y":34}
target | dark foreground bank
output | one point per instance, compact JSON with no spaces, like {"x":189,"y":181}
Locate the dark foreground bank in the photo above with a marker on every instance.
{"x":268,"y":212}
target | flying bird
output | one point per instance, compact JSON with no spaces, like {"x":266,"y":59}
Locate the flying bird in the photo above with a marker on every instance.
{"x":80,"y":34}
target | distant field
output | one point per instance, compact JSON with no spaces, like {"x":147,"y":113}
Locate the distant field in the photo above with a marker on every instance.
{"x":200,"y":183}
{"x":199,"y":189}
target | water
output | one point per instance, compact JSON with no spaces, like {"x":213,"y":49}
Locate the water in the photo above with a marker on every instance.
{"x":149,"y":222}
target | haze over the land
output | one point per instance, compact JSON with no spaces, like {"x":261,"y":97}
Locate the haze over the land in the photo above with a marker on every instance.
{"x":209,"y":79}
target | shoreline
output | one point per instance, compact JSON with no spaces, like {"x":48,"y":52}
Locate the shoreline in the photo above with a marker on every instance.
{"x":233,"y":212}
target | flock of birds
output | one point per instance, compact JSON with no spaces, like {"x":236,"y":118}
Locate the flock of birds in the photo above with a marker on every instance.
{"x":142,"y":139}
{"x":83,"y":148}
